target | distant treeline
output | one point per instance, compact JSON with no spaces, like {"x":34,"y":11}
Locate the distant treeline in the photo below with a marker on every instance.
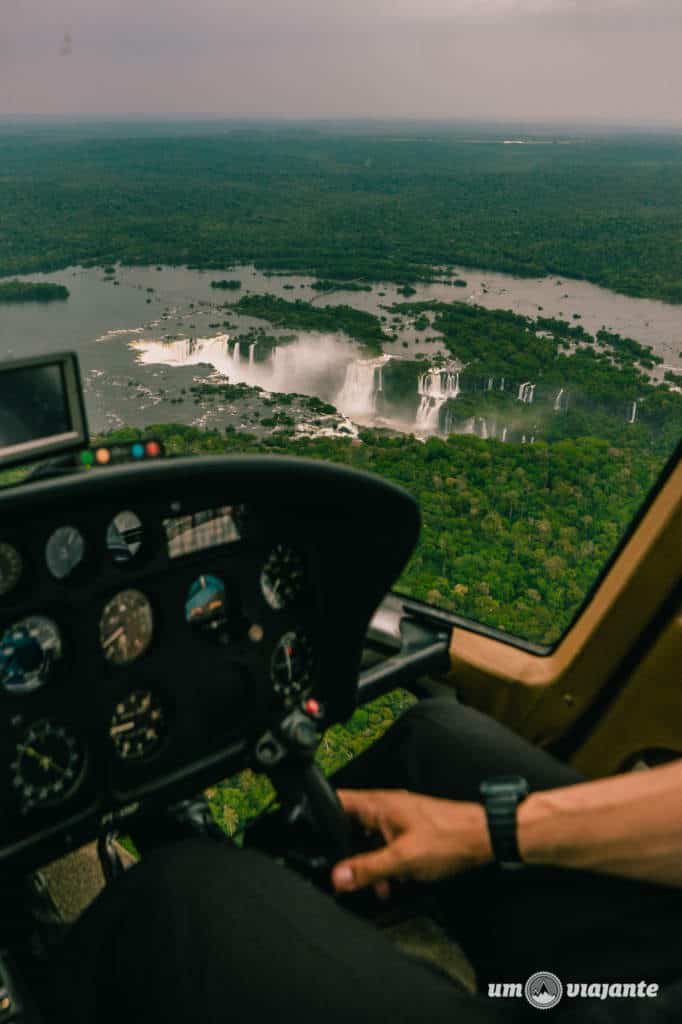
{"x":232,"y":284}
{"x":347,"y":208}
{"x":29,"y":291}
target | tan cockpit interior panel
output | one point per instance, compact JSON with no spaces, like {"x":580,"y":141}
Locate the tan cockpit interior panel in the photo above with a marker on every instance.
{"x":541,"y":697}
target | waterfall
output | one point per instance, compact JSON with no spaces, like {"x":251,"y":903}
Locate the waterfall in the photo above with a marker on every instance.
{"x":504,"y":434}
{"x":236,"y":354}
{"x":490,"y":383}
{"x":633,"y":413}
{"x":557,"y":401}
{"x":523,"y":439}
{"x":434,"y":389}
{"x":526,"y":392}
{"x":502,"y":384}
{"x":364,"y":380}
{"x":483,"y":429}
{"x":531,"y":394}
{"x":252,"y":349}
{"x":470,"y":425}
{"x":522,"y":391}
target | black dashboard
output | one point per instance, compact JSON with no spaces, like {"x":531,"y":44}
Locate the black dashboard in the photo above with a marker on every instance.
{"x":156,"y":619}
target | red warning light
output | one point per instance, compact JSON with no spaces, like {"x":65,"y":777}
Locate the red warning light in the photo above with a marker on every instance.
{"x":152,"y":448}
{"x":312,"y":706}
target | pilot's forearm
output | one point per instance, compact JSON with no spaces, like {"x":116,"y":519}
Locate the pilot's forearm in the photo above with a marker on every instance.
{"x":629,"y":825}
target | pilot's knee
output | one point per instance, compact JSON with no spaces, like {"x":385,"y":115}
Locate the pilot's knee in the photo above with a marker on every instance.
{"x":434,"y":713}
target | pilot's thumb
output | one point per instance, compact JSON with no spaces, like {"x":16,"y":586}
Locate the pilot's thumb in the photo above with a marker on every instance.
{"x":365,"y":869}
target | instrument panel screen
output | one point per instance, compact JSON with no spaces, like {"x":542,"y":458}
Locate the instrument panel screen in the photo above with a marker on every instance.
{"x":200,"y":530}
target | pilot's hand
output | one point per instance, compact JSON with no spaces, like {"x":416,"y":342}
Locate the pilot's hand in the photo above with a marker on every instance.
{"x":426,"y":839}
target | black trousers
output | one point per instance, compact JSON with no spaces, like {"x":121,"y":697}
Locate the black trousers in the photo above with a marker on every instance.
{"x":203,"y":932}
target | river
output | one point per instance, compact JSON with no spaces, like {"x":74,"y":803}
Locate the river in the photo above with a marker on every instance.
{"x":132,"y":337}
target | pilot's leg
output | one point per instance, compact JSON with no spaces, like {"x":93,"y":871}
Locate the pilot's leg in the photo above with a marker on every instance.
{"x":582,"y":926}
{"x":443,"y":748}
{"x":204,"y":932}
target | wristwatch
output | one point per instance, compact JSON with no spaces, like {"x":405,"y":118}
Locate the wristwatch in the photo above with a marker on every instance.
{"x":501,"y":796}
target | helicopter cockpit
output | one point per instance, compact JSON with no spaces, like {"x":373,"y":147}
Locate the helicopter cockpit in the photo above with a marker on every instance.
{"x":167,"y":622}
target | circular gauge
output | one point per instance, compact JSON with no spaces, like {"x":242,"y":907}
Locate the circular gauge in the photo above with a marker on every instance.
{"x":291,"y":666}
{"x":206,"y":605}
{"x":48,"y":765}
{"x":28,"y":651}
{"x":137,"y":726}
{"x":11,"y":566}
{"x":282,"y":578}
{"x":124,"y":536}
{"x":125,"y":629}
{"x":64,"y":551}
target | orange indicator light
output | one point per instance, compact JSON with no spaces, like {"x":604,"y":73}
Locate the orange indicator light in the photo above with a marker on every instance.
{"x":103,"y":456}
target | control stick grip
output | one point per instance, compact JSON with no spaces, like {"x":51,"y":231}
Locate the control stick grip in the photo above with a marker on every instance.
{"x":326,"y":811}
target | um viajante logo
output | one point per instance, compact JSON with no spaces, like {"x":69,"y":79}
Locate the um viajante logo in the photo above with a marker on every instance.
{"x":544,"y":990}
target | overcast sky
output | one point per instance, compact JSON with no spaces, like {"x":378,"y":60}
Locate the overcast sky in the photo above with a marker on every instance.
{"x":596,"y":60}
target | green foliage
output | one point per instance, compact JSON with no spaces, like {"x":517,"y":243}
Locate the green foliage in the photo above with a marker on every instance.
{"x":364,"y":327}
{"x":29,"y":291}
{"x":345,"y":207}
{"x":340,"y":286}
{"x":231,"y":284}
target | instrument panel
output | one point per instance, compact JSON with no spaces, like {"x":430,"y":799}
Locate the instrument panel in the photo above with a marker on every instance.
{"x":149,"y":632}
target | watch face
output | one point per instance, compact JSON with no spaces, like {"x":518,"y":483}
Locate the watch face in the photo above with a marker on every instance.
{"x":505,"y":785}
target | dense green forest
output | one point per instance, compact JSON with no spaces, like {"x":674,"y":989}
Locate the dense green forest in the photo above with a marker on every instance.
{"x":513,"y":535}
{"x":357,"y":324}
{"x":353,"y":206}
{"x":31,"y":291}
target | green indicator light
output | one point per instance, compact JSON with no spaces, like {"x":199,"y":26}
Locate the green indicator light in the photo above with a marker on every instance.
{"x":87,"y":458}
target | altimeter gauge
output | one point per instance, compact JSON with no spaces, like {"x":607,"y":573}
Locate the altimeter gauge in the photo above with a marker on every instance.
{"x":28,"y":651}
{"x":48,"y":765}
{"x":64,"y":551}
{"x":11,"y":567}
{"x":283,"y":577}
{"x":291,"y":666}
{"x":137,"y":726}
{"x":125,"y":628}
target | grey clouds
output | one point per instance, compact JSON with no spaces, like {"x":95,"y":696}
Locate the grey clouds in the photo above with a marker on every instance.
{"x":593,"y":60}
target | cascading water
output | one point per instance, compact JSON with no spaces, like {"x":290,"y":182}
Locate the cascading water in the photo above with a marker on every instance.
{"x":557,"y":401}
{"x":633,"y":413}
{"x":504,"y":434}
{"x":526,"y":392}
{"x":434,"y":389}
{"x":252,"y":350}
{"x":236,"y":354}
{"x":502,"y":384}
{"x":364,"y":380}
{"x":490,"y":383}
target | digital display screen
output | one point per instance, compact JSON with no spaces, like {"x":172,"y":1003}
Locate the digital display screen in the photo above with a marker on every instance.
{"x":33,"y":405}
{"x":200,"y":530}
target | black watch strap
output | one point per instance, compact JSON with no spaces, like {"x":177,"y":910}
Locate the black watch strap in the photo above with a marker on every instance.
{"x":500,"y":797}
